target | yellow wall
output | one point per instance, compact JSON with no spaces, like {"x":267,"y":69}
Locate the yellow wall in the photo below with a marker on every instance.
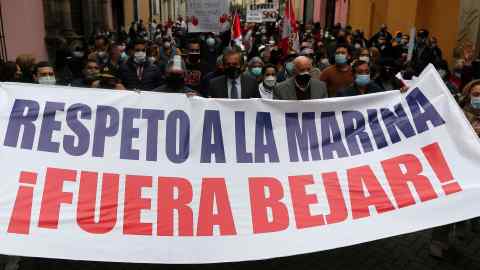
{"x":359,"y":14}
{"x":128,"y":10}
{"x":143,"y":12}
{"x":378,"y":15}
{"x":440,"y":17}
{"x":402,"y":15}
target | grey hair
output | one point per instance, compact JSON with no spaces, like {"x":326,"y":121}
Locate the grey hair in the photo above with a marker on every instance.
{"x":255,"y":60}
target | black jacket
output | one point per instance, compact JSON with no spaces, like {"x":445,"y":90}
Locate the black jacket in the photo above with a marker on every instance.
{"x":152,"y":77}
{"x":218,"y":87}
{"x":353,"y":90}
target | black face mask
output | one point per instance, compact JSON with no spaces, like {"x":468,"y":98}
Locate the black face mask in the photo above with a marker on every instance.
{"x":175,"y":81}
{"x":232,"y":72}
{"x":303,"y":79}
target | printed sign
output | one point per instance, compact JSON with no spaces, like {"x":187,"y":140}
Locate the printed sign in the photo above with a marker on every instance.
{"x":146,"y":177}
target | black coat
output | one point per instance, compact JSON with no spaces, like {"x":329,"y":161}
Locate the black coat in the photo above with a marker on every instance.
{"x":218,"y":87}
{"x":152,"y":77}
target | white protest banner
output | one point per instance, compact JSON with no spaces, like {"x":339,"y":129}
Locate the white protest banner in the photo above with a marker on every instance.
{"x":254,"y":16}
{"x":207,"y":15}
{"x":268,"y":12}
{"x":161,"y":178}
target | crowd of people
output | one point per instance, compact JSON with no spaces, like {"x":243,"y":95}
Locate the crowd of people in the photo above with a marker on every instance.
{"x":318,"y":63}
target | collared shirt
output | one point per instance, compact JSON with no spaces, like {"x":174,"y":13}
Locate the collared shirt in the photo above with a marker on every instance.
{"x":238,"y":85}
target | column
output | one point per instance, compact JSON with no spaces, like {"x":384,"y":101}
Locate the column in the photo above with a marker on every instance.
{"x":341,"y":12}
{"x":106,"y":7}
{"x":65,"y":11}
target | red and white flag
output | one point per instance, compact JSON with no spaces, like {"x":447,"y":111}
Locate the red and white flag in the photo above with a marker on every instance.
{"x":236,"y":30}
{"x":289,"y":29}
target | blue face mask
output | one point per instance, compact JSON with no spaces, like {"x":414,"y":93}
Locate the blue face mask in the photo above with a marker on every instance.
{"x":362,"y":80}
{"x":340,"y":59}
{"x":256,"y":71}
{"x":475,"y":102}
{"x":124,"y":56}
{"x":289,"y":67}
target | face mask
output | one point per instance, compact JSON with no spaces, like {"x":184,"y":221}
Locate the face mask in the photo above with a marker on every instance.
{"x":303,"y":78}
{"x":256,"y":71}
{"x":175,"y":81}
{"x":194,"y":57}
{"x":475,"y":102}
{"x":152,"y":60}
{"x":325,"y":61}
{"x":364,"y":59}
{"x":362,"y":80}
{"x":124,"y":56}
{"x":78,"y":54}
{"x":210,"y":41}
{"x":289,"y":67}
{"x":232,"y":72}
{"x":358,"y":46}
{"x":167,"y":45}
{"x":140,"y":57}
{"x":47,"y":80}
{"x":270,"y":81}
{"x":340,"y":59}
{"x":102,"y":54}
{"x":442,"y":73}
{"x":404,"y":41}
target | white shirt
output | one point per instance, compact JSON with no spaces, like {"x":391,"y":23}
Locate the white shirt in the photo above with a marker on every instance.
{"x":238,"y":85}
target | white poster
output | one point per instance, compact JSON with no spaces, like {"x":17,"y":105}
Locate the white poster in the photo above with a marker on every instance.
{"x":267,"y":11}
{"x":207,"y":15}
{"x":145,"y":177}
{"x":254,"y":16}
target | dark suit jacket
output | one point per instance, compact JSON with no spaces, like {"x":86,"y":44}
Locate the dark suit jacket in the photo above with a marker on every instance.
{"x":353,"y":90}
{"x":152,"y":76}
{"x":218,"y":87}
{"x":286,"y":90}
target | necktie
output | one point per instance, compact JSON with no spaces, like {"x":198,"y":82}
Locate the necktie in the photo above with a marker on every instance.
{"x":233,"y":90}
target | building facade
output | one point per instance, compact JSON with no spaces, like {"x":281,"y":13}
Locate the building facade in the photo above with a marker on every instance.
{"x":147,"y":10}
{"x":451,"y":22}
{"x":41,"y":27}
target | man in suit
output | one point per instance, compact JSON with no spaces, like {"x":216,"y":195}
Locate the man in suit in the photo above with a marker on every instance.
{"x":233,"y":84}
{"x":301,"y":86}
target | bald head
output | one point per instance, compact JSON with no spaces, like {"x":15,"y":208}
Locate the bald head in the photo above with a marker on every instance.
{"x":302,"y":64}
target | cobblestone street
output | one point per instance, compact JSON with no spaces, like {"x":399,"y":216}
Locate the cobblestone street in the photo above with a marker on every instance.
{"x":403,"y":252}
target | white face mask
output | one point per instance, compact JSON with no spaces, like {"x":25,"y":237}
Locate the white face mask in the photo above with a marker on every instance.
{"x":270,"y":81}
{"x":364,"y":59}
{"x":140,"y":57}
{"x":102,"y":54}
{"x":210,"y":41}
{"x":47,"y":80}
{"x":152,"y":60}
{"x":78,"y":54}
